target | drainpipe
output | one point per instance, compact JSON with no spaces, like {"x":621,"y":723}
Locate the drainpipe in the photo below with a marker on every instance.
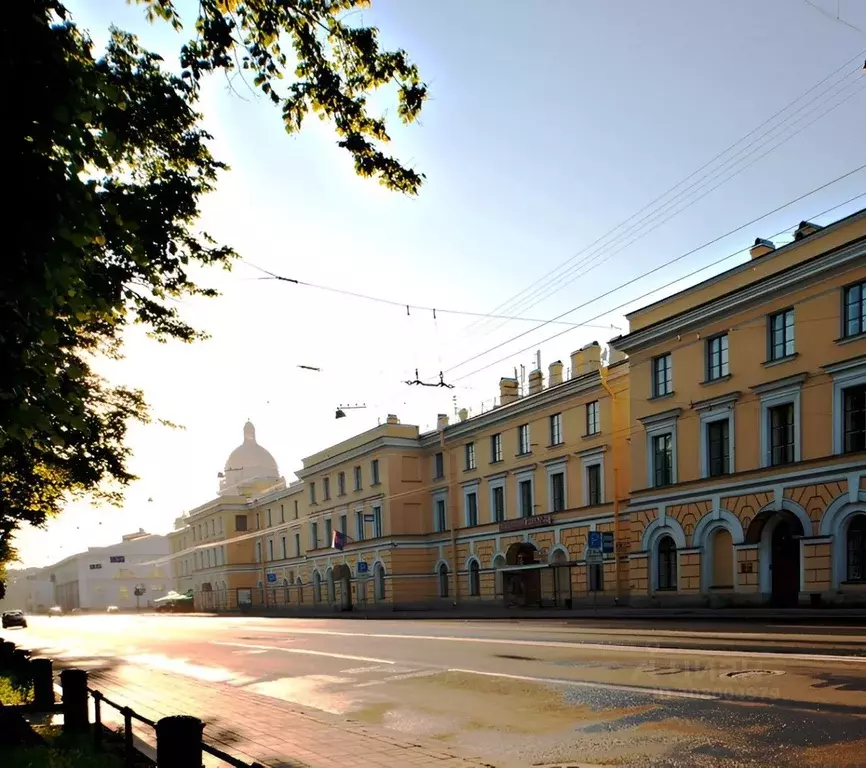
{"x":603,"y":370}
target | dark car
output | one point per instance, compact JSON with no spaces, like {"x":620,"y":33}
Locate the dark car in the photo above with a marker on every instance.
{"x":14,"y":619}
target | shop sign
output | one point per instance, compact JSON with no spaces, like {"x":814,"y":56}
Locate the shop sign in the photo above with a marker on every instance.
{"x":522,"y":523}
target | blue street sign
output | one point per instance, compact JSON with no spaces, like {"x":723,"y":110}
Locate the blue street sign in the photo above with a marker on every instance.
{"x":593,"y":540}
{"x":272,"y":577}
{"x":362,"y":567}
{"x":607,"y":542}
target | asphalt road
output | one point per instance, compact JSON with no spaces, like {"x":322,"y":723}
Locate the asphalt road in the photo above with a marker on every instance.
{"x":524,"y":693}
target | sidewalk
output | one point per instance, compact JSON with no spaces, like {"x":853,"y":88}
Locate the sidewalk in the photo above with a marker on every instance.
{"x":257,"y":728}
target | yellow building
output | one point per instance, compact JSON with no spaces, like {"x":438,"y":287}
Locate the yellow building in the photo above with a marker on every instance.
{"x":716,"y":452}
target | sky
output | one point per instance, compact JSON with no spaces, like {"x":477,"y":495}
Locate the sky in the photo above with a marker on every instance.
{"x":549,"y":125}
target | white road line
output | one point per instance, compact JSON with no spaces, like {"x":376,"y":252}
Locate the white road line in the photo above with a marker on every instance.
{"x":671,"y":694}
{"x":576,"y":646}
{"x":305,"y":651}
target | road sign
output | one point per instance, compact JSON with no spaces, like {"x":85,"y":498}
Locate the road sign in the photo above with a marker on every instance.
{"x":607,"y":542}
{"x":272,"y":577}
{"x":594,"y":557}
{"x":593,"y":540}
{"x":362,"y":567}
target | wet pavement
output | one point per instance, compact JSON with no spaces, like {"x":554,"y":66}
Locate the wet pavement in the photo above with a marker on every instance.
{"x":521,"y":694}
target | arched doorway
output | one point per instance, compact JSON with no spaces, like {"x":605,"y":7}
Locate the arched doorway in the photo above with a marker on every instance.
{"x":474,"y":578}
{"x":207,"y":597}
{"x":778,"y":533}
{"x":521,"y":585}
{"x":343,"y":576}
{"x":379,"y":580}
{"x":498,"y":565}
{"x":561,"y":576}
{"x":442,"y":573}
{"x":317,"y":587}
{"x":332,"y":592}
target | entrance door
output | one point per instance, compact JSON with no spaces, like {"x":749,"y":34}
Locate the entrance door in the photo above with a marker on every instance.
{"x":785,"y":565}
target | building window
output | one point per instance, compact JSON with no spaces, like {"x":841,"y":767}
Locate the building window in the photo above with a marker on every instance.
{"x":781,"y":428}
{"x":717,"y":357}
{"x":314,"y":535}
{"x":258,"y":551}
{"x":359,"y":525}
{"x":663,"y":375}
{"x":344,"y":524}
{"x":329,"y":532}
{"x":296,"y":509}
{"x":471,"y":499}
{"x":495,"y":448}
{"x":663,"y":459}
{"x":855,"y":310}
{"x":439,"y":466}
{"x":282,"y":516}
{"x":718,"y":448}
{"x":374,"y":472}
{"x":556,"y":429}
{"x":781,"y":335}
{"x":312,"y":493}
{"x":474,"y":579}
{"x":270,"y":549}
{"x":857,"y":549}
{"x":377,"y":522}
{"x":524,"y":491}
{"x":854,"y":427}
{"x":326,"y":488}
{"x":285,"y":548}
{"x":596,"y":577}
{"x":441,"y":521}
{"x":443,"y":580}
{"x":357,"y":478}
{"x":341,"y":484}
{"x":557,"y":491}
{"x":317,"y":587}
{"x":497,"y":503}
{"x":470,"y":455}
{"x":667,"y":563}
{"x":268,"y":513}
{"x":297,"y":545}
{"x":593,"y":426}
{"x":379,"y":580}
{"x":593,"y":484}
{"x":240,"y":522}
{"x":523,"y":444}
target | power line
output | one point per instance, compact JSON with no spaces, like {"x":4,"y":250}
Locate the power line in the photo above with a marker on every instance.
{"x":508,"y":303}
{"x":402,"y":304}
{"x":653,"y":271}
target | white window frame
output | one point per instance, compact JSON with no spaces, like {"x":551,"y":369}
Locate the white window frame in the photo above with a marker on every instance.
{"x":329,"y":537}
{"x":594,"y":458}
{"x":526,"y":475}
{"x":270,"y":548}
{"x":668,"y":381}
{"x":849,"y":374}
{"x":557,"y":468}
{"x":496,"y":448}
{"x":771,"y":345}
{"x":378,"y":527}
{"x":555,"y":424}
{"x":655,"y":426}
{"x":593,"y":408}
{"x":314,"y":534}
{"x":470,"y":460}
{"x":285,"y":545}
{"x":259,"y":551}
{"x":725,"y":368}
{"x":437,"y":497}
{"x":523,"y":449}
{"x":468,"y":489}
{"x":718,"y":409}
{"x":779,"y":393}
{"x":498,"y":482}
{"x":374,"y":472}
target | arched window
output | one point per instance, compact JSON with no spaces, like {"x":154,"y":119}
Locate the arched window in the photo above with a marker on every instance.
{"x":474,"y":579}
{"x":498,"y":565}
{"x":722,"y":547}
{"x":317,"y":587}
{"x":300,"y":585}
{"x":856,"y":541}
{"x":443,"y":580}
{"x":380,"y":581}
{"x":667,"y":563}
{"x":332,"y":593}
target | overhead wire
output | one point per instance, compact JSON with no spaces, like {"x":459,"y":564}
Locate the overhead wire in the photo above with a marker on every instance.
{"x":653,"y":271}
{"x":508,"y":303}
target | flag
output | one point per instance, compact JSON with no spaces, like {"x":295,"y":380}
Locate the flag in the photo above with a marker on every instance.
{"x":339,"y":540}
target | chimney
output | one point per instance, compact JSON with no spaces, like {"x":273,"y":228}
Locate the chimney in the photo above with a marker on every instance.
{"x":441,"y":421}
{"x":392,"y":419}
{"x":554,"y":374}
{"x":805,"y":229}
{"x":614,"y":355}
{"x":507,"y":391}
{"x":536,"y":381}
{"x":761,"y":248}
{"x":576,"y":363}
{"x":591,"y":357}
{"x":463,"y":414}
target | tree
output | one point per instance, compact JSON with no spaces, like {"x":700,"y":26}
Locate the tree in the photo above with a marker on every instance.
{"x":107,"y":163}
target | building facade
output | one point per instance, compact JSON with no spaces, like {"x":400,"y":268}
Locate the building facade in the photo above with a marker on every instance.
{"x":716,"y":448}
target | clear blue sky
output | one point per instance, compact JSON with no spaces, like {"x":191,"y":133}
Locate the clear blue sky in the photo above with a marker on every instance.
{"x":549,"y":123}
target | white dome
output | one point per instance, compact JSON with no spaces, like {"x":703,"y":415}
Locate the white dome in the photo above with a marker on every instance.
{"x":249,"y":461}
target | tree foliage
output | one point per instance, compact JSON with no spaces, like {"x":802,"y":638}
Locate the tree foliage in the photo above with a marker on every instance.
{"x":108,"y":163}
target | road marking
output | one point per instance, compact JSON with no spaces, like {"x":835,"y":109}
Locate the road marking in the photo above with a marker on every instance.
{"x":607,"y":647}
{"x":671,"y":694}
{"x":305,"y":651}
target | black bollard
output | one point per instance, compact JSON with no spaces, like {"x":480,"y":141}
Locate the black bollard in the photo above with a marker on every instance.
{"x":42,"y":671}
{"x":21,"y":664}
{"x":76,"y":717}
{"x":6,"y":650}
{"x":178,"y":742}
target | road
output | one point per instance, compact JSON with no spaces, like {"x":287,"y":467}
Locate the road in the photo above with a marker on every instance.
{"x":503,"y":693}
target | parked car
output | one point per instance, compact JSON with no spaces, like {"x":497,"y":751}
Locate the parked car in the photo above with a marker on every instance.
{"x":55,"y":611}
{"x":14,"y":619}
{"x":112,"y":609}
